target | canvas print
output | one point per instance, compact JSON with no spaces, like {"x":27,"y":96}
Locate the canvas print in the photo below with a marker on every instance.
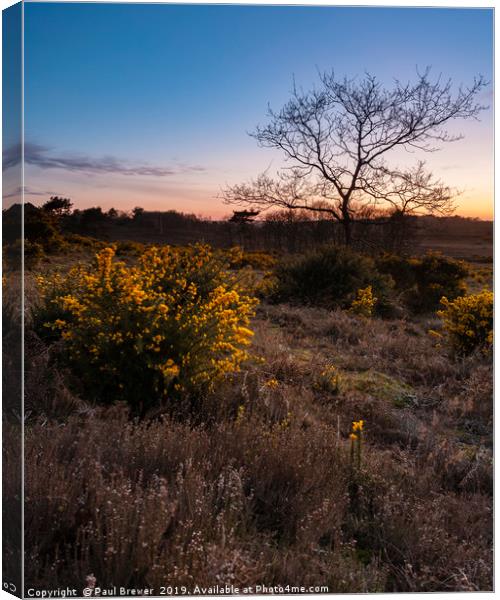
{"x":247,"y":299}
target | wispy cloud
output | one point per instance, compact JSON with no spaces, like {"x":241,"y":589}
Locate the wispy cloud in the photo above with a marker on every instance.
{"x":11,"y":156}
{"x":43,"y":157}
{"x":27,"y":192}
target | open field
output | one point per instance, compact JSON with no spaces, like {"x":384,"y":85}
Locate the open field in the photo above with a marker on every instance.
{"x":474,"y":243}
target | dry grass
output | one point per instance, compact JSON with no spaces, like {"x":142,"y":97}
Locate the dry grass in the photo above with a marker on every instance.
{"x":266,"y":493}
{"x":257,"y":485}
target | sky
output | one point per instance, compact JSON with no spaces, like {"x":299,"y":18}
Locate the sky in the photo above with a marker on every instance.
{"x":151,"y":105}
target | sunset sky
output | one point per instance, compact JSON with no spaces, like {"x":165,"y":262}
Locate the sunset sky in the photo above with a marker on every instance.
{"x":150,"y":105}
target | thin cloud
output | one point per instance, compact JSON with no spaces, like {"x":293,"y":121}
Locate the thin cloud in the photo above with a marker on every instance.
{"x":41,"y":156}
{"x":27,"y":192}
{"x":11,"y":156}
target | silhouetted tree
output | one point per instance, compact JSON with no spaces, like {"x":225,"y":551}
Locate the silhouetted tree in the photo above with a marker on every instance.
{"x":137,"y":212}
{"x":40,"y":226}
{"x":244,"y":216}
{"x":92,"y":216}
{"x":58,"y":206}
{"x":338,"y":137}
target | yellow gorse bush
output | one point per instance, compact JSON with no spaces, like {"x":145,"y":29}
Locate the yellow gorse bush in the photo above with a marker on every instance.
{"x":364,"y":303}
{"x":468,"y":322}
{"x":171,"y":325}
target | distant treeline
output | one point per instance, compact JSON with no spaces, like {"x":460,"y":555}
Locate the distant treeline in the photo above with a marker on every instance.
{"x":282,"y":231}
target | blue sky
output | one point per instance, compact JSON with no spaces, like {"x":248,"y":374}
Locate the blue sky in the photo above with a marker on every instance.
{"x":150,"y":105}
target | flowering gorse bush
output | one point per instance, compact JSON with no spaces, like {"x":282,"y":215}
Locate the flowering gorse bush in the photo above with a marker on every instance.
{"x":169,"y":326}
{"x":468,"y":322}
{"x":364,"y":303}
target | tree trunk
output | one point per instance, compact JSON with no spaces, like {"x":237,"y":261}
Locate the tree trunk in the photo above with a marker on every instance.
{"x":347,"y":225}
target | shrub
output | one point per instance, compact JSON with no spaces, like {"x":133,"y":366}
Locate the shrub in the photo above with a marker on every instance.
{"x":84,"y":241}
{"x":13,"y":253}
{"x":468,"y":322}
{"x":364,"y":302}
{"x":424,"y":281}
{"x":329,"y":277}
{"x":129,"y":248}
{"x":257,"y":260}
{"x":400,"y":268}
{"x":166,"y":328}
{"x":329,"y":380}
{"x":437,"y":276}
{"x":42,"y":228}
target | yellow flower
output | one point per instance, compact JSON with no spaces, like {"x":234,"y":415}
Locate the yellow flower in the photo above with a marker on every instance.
{"x":272,"y":383}
{"x":468,"y":322}
{"x":182,"y":302}
{"x":364,"y":303}
{"x":241,"y":414}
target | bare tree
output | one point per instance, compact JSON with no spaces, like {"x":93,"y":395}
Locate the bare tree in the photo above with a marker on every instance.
{"x":337,"y":139}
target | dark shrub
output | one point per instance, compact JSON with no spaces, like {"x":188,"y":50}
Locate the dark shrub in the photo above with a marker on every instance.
{"x":329,"y":277}
{"x":399,"y":268}
{"x":41,"y":230}
{"x":129,"y":248}
{"x":437,"y":276}
{"x":84,"y":241}
{"x":423,"y":281}
{"x":33,"y":253}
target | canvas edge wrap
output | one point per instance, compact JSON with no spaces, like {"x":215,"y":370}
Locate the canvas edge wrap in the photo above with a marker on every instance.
{"x":12,"y":301}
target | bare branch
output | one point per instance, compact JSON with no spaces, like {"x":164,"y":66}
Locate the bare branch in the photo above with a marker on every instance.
{"x":337,"y":140}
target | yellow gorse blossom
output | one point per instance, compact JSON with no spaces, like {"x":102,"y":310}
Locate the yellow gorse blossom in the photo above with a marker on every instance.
{"x":468,"y":322}
{"x":329,"y":379}
{"x":272,"y":383}
{"x":364,"y":303}
{"x":240,"y":414}
{"x":176,"y":321}
{"x":356,"y":437}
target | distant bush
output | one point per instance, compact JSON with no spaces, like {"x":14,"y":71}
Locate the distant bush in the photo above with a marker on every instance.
{"x":84,"y":241}
{"x":400,"y":268}
{"x":423,"y":281}
{"x":165,"y":329}
{"x":329,"y":277}
{"x":437,"y":276}
{"x":329,"y":380}
{"x":13,"y":254}
{"x":364,"y":303}
{"x":33,"y":253}
{"x":130,"y":248}
{"x":257,"y":260}
{"x":468,"y":322}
